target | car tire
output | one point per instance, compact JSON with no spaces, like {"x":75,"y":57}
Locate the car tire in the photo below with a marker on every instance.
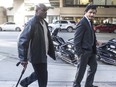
{"x":17,"y":29}
{"x":97,"y":31}
{"x":115,"y":31}
{"x":69,"y":29}
{"x":0,"y":29}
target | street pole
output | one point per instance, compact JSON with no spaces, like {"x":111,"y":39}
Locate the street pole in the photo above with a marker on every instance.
{"x":105,"y":2}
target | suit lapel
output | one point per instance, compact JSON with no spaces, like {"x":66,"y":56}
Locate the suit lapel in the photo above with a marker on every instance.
{"x":90,"y":27}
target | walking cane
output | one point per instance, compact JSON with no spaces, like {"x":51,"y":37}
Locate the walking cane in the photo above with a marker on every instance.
{"x":20,"y":75}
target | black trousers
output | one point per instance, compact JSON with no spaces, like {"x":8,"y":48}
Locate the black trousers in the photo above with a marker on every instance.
{"x":33,"y":77}
{"x":87,"y":58}
{"x":30,"y":79}
{"x":41,"y":74}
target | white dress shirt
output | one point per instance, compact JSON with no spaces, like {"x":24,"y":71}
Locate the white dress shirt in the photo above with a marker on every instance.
{"x":45,"y":34}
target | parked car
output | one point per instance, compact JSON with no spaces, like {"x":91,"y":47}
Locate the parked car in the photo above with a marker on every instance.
{"x":68,"y":25}
{"x":10,"y":26}
{"x":105,"y":28}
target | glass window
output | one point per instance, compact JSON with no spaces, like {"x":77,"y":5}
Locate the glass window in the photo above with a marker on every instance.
{"x":84,"y":2}
{"x":68,"y":2}
{"x":67,"y":18}
{"x":64,"y":22}
{"x":99,"y":2}
{"x":10,"y":18}
{"x":29,"y":7}
{"x":57,"y":22}
{"x":76,"y":2}
{"x":9,"y":23}
{"x":12,"y":23}
{"x":113,"y":2}
{"x":52,"y":19}
{"x":104,"y":2}
{"x":73,"y":22}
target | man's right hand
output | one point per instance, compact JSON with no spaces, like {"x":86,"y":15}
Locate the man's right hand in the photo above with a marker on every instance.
{"x":24,"y":64}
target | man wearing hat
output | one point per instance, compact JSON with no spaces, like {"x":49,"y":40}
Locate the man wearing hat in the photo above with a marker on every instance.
{"x":85,"y":47}
{"x":35,"y":44}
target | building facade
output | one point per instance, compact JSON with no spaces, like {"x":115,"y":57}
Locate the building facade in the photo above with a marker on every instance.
{"x":3,"y":15}
{"x":23,"y":10}
{"x":74,"y":10}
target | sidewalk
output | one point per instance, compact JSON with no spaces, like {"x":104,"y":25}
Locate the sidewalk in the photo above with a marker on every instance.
{"x":59,"y":75}
{"x":55,"y":84}
{"x":64,"y":75}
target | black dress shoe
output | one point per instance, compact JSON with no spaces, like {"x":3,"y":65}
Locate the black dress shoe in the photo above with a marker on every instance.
{"x":94,"y":86}
{"x":75,"y":85}
{"x":22,"y":84}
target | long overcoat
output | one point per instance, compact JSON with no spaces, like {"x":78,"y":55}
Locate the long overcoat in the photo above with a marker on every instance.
{"x":31,"y":44}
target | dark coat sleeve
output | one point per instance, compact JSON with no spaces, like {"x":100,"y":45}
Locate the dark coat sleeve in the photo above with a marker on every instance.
{"x":23,"y":42}
{"x":51,"y":51}
{"x":78,"y":37}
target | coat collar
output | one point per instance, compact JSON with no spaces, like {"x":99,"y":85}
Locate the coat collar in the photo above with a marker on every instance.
{"x":37,"y":19}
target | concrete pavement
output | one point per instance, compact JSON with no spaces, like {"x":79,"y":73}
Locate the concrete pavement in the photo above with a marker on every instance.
{"x":62,"y":75}
{"x":64,"y":78}
{"x":50,"y":84}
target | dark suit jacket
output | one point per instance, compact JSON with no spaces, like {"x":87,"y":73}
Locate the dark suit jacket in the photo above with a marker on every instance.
{"x":31,"y":44}
{"x":84,"y":38}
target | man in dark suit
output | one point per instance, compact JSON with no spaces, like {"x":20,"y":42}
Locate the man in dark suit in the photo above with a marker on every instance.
{"x":85,"y":48}
{"x":34,"y":45}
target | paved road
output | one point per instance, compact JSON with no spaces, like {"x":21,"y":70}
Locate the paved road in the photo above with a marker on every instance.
{"x":8,"y":40}
{"x":60,"y":73}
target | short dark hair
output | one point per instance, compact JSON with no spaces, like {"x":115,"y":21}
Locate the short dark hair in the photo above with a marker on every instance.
{"x":90,"y":6}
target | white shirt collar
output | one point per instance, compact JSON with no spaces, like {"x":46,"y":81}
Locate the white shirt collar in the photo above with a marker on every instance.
{"x":86,"y":18}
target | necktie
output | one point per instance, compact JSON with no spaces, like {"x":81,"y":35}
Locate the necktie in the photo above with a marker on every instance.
{"x":91,"y":23}
{"x":93,"y":33}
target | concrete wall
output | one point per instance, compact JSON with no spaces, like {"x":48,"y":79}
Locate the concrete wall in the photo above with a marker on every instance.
{"x":78,"y":12}
{"x":54,"y":11}
{"x":3,"y":15}
{"x":19,"y":12}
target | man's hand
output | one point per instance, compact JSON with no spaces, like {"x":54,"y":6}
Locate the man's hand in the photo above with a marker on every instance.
{"x":24,"y":64}
{"x":98,"y":43}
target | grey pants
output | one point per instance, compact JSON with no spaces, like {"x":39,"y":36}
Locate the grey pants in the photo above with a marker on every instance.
{"x":85,"y":59}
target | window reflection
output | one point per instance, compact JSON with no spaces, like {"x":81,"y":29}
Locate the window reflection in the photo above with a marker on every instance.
{"x":85,"y":2}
